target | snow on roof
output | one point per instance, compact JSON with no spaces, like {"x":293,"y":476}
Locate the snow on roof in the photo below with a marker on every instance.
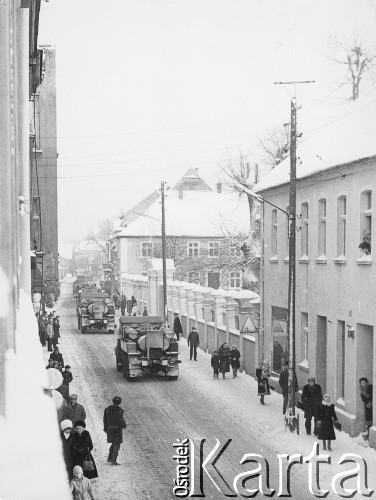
{"x":347,"y":136}
{"x":200,"y":214}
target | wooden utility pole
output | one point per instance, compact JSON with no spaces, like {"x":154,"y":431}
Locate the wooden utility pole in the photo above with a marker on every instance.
{"x":165,"y":319}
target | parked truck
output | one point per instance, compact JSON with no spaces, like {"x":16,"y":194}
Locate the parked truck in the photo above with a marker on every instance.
{"x":95,"y":311}
{"x":144,"y":346}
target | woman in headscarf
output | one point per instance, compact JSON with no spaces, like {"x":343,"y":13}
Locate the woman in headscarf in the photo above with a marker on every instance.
{"x":234,"y":360}
{"x":224,"y":359}
{"x":81,"y":446}
{"x":366,"y":390}
{"x":80,"y":485}
{"x":324,"y":425}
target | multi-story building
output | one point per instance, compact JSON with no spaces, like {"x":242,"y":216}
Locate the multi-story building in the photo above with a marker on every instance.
{"x":205,"y":230}
{"x":43,"y":171}
{"x":335,"y":278}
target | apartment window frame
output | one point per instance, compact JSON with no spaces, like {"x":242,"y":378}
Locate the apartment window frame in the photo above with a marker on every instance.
{"x":274,"y":234}
{"x":213,"y":249}
{"x":235,"y":279}
{"x":234,"y":250}
{"x":193,"y":249}
{"x":147,"y":249}
{"x":304,"y":341}
{"x":322,"y":228}
{"x":341,"y":360}
{"x":304,"y":234}
{"x":366,"y":216}
{"x":341,"y":226}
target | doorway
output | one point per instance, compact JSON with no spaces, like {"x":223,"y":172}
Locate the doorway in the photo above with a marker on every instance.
{"x":321,"y":350}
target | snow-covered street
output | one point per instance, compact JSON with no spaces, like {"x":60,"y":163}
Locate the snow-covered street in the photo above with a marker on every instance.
{"x":159,"y":411}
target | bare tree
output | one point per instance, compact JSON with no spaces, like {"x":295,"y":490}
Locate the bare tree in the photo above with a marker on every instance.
{"x":275,"y":146}
{"x":104,"y":233}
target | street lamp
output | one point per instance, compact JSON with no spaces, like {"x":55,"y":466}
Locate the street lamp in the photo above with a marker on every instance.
{"x":291,"y":419}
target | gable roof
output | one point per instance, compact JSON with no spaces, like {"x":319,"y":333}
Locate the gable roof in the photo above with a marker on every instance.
{"x":348,"y":137}
{"x":134,"y":213}
{"x":191,"y":181}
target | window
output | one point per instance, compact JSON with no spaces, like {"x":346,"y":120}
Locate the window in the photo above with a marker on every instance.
{"x":366,"y":221}
{"x":235,"y":279}
{"x":146,"y":249}
{"x":36,"y":225}
{"x":287,"y":233}
{"x":274,"y":234}
{"x":304,"y":230}
{"x":234,"y":250}
{"x":341,"y":353}
{"x":214,"y":249}
{"x":322,"y":228}
{"x":341,"y":226}
{"x":193,"y":249}
{"x":279,"y":332}
{"x":304,"y":337}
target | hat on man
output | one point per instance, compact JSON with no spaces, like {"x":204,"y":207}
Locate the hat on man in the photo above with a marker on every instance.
{"x":116,"y":400}
{"x":311,"y":378}
{"x":66,"y":424}
{"x":67,"y":366}
{"x":73,"y":396}
{"x":80,"y":423}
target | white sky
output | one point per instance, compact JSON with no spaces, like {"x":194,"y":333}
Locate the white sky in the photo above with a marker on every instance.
{"x":148,"y":88}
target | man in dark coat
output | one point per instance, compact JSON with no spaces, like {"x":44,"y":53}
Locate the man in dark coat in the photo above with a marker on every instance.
{"x":42,"y":329}
{"x":123,"y":304}
{"x":284,"y":384}
{"x":113,"y":425}
{"x":311,"y":399}
{"x":177,"y":326}
{"x":193,"y":342}
{"x":73,"y":410}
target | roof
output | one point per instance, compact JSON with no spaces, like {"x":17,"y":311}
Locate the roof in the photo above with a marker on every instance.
{"x":198,"y":214}
{"x":346,"y":137}
{"x":191,"y":181}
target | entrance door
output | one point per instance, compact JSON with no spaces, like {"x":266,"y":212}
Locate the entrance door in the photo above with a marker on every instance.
{"x":321,"y":352}
{"x":213,"y":280}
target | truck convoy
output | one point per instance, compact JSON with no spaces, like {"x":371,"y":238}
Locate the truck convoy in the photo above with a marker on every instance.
{"x":143,"y":345}
{"x":95,"y":311}
{"x":81,"y":279}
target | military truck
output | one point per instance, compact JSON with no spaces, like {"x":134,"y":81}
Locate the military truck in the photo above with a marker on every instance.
{"x":144,"y":346}
{"x":95,"y":311}
{"x":80,"y":280}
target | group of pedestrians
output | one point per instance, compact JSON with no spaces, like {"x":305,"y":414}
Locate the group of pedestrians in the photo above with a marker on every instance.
{"x":78,"y":445}
{"x":49,"y":329}
{"x":222,"y":359}
{"x":121,"y":302}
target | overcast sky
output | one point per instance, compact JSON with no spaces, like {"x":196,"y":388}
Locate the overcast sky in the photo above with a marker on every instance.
{"x":148,"y":88}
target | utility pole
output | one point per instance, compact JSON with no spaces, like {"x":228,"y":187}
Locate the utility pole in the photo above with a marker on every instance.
{"x":165,"y":320}
{"x":291,"y":419}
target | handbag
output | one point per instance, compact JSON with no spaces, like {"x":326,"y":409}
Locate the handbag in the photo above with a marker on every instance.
{"x":337,"y":425}
{"x":88,"y":462}
{"x":318,"y":424}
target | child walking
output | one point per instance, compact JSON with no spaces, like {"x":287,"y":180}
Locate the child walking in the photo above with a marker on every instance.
{"x":215,"y":362}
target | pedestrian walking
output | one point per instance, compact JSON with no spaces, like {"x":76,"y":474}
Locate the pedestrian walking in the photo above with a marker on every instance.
{"x":311,"y":399}
{"x":56,"y":327}
{"x":193,"y":343}
{"x":366,"y":393}
{"x":42,"y":328}
{"x":234,"y":361}
{"x":284,"y":384}
{"x":80,"y":447}
{"x":66,"y":438}
{"x":49,"y":333}
{"x":67,"y":375}
{"x":262,"y":375}
{"x":81,"y":485}
{"x":215,"y":363}
{"x":178,"y":330}
{"x":50,"y":364}
{"x":129,"y":307}
{"x":57,"y":356}
{"x":224,"y":359}
{"x":145,"y":313}
{"x":64,"y":391}
{"x":123,"y":304}
{"x":113,"y":425}
{"x":325,"y":427}
{"x":73,"y":410}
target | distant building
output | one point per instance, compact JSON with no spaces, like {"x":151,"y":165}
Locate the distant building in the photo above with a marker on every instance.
{"x":88,"y":258}
{"x":43,"y":171}
{"x":335,"y":279}
{"x":205,"y":230}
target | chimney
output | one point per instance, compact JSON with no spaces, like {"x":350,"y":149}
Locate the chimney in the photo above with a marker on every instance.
{"x":181,"y":193}
{"x":219,"y":187}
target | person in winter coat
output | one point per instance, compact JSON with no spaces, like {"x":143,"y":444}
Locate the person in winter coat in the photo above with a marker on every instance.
{"x":234,"y":361}
{"x":123,"y":304}
{"x":73,"y":410}
{"x":224,"y":357}
{"x":284,"y":384}
{"x":80,"y":448}
{"x":42,"y":329}
{"x":193,"y":343}
{"x":66,"y":438}
{"x":262,"y":375}
{"x":67,"y":375}
{"x":113,"y":425}
{"x":366,"y":390}
{"x":325,"y":428}
{"x":49,"y":333}
{"x":50,"y":364}
{"x":57,"y":356}
{"x":56,"y":328}
{"x":81,"y":485}
{"x":215,"y":362}
{"x":311,"y":399}
{"x":145,"y":313}
{"x":178,"y":330}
